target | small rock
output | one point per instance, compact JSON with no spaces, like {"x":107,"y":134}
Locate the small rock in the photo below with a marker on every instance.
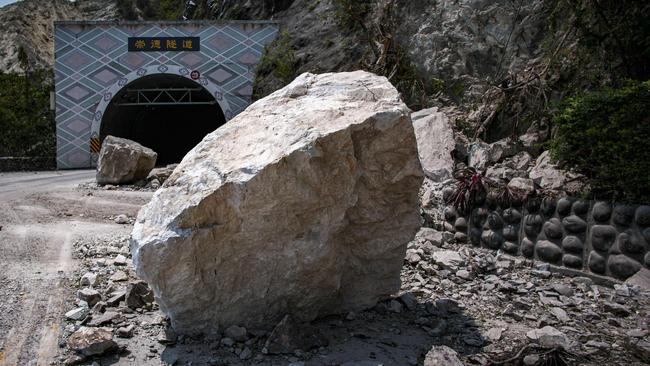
{"x":637,"y":333}
{"x":92,"y":341}
{"x":238,"y":334}
{"x":640,"y":279}
{"x":562,"y":289}
{"x":522,"y":186}
{"x":409,"y":300}
{"x":597,"y":344}
{"x":122,"y":220}
{"x":119,"y":260}
{"x":442,"y":355}
{"x":289,"y":336}
{"x":464,"y":274}
{"x":103,"y":319}
{"x":167,"y":336}
{"x":412,"y":257}
{"x":560,"y":314}
{"x":531,"y":360}
{"x":89,"y":279}
{"x":119,"y":276}
{"x":494,"y":334}
{"x":542,"y":274}
{"x":77,"y":314}
{"x":89,"y":295}
{"x":125,"y":332}
{"x":617,"y":309}
{"x":395,"y":306}
{"x":547,"y":337}
{"x":114,"y":301}
{"x":447,"y":258}
{"x":138,"y":295}
{"x":246,"y":354}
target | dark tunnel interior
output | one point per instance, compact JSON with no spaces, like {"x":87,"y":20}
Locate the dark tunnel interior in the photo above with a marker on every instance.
{"x":167,"y":113}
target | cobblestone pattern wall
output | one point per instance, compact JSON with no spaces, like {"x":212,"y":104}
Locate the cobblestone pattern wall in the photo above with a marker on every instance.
{"x":599,"y":237}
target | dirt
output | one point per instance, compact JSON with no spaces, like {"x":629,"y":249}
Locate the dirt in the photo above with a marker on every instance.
{"x":41,"y":215}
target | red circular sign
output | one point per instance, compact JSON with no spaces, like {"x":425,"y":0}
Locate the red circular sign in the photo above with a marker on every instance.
{"x":195,"y":75}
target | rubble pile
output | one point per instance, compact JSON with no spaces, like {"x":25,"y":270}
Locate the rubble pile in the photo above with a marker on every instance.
{"x":462,"y":304}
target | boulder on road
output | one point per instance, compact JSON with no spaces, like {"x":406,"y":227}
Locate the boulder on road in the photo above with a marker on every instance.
{"x":435,"y":138}
{"x":123,"y":161}
{"x":303,"y":204}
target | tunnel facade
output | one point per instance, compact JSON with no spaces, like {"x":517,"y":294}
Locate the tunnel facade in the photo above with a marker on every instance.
{"x":163,"y":84}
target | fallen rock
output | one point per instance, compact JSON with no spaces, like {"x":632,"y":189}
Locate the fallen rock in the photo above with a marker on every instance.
{"x":77,"y":314}
{"x":313,"y":189}
{"x":120,"y":260}
{"x":479,"y":155}
{"x":447,"y":258}
{"x":640,"y":279}
{"x":138,"y":295}
{"x":435,"y":139}
{"x":548,"y":337}
{"x":126,"y":332}
{"x":442,"y":355}
{"x":289,"y":336}
{"x":89,"y":295}
{"x":502,"y":149}
{"x":92,"y":341}
{"x":116,"y":298}
{"x":103,"y":319}
{"x":123,"y":161}
{"x":122,"y":220}
{"x":549,"y":177}
{"x":236,"y":333}
{"x":522,"y":186}
{"x":88,"y":279}
{"x":161,"y":174}
{"x":119,"y":276}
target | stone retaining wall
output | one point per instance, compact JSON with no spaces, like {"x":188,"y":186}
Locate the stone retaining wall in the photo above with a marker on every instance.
{"x":598,"y":237}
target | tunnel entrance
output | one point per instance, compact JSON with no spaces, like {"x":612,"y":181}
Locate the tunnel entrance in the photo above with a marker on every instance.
{"x":167,"y":113}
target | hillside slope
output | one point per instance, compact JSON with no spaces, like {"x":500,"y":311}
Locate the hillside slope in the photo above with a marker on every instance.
{"x":29,"y":23}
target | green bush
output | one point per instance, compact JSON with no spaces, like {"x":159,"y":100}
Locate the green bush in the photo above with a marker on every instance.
{"x":279,"y":59}
{"x":604,"y":135}
{"x":26,"y":123}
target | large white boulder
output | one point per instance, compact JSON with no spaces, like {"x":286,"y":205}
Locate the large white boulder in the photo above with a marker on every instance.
{"x":124,"y":161}
{"x":303,"y":205}
{"x":435,"y":138}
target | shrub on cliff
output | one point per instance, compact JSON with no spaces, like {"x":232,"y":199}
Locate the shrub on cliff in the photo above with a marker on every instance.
{"x":26,"y":123}
{"x":604,"y":135}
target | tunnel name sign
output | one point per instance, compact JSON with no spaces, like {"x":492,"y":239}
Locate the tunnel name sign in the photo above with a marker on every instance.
{"x":164,"y":44}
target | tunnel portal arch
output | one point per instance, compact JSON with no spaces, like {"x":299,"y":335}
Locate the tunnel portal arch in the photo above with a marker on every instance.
{"x":94,"y":60}
{"x":165,"y":111}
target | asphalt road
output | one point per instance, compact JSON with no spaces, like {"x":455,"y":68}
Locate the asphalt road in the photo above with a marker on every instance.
{"x":42,"y":214}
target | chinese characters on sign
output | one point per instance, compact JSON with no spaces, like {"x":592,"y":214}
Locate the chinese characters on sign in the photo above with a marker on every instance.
{"x":164,"y":44}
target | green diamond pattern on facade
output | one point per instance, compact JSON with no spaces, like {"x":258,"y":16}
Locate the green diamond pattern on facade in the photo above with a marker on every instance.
{"x":92,"y":64}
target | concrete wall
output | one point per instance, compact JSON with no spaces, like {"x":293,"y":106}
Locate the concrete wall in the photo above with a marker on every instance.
{"x":598,"y":237}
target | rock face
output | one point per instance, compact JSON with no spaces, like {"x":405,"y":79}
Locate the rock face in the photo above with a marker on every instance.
{"x":436,"y":143}
{"x":303,"y":204}
{"x":124,"y":161}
